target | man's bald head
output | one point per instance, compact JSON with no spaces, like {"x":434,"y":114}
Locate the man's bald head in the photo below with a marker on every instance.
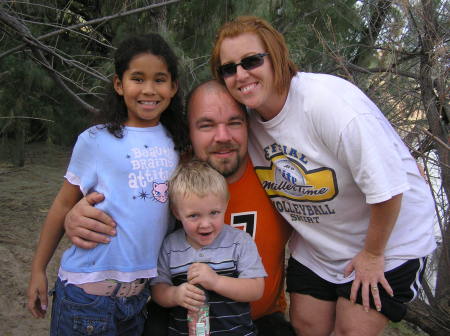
{"x":218,"y":129}
{"x":211,"y":88}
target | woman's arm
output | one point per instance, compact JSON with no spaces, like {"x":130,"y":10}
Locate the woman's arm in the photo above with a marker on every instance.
{"x":369,"y":263}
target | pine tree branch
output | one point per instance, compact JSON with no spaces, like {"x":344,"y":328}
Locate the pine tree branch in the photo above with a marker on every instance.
{"x":371,"y":32}
{"x":89,"y":23}
{"x":393,"y":70}
{"x":25,"y":35}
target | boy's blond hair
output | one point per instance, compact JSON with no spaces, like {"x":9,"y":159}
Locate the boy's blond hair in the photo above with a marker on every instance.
{"x":198,"y":178}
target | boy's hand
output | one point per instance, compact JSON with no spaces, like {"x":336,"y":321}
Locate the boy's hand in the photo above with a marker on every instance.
{"x":189,"y":296}
{"x":37,"y":295}
{"x":203,"y":275}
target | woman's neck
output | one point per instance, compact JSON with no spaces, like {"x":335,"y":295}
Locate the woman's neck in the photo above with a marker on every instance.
{"x":274,"y":106}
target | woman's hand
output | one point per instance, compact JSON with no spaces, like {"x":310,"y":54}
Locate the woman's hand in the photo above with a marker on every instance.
{"x":369,"y":271}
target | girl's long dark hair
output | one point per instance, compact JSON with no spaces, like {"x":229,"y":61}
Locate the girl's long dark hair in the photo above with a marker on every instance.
{"x":113,"y":112}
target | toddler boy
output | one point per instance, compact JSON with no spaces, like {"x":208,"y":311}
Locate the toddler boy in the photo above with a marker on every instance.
{"x":221,"y":259}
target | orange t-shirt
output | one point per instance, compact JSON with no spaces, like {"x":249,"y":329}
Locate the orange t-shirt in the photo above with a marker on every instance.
{"x":251,"y":210}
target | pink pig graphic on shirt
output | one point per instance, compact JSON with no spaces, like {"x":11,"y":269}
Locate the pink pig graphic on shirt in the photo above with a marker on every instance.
{"x":160,"y":192}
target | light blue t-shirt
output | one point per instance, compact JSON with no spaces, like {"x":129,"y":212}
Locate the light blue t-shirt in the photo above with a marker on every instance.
{"x":132,"y":173}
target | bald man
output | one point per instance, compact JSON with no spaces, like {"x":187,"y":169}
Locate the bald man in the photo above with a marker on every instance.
{"x":218,"y":132}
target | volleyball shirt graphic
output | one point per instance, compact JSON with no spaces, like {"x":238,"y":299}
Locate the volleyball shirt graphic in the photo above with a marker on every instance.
{"x":287,"y":177}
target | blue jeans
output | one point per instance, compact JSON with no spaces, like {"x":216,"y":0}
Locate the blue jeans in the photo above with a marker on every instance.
{"x":76,"y":313}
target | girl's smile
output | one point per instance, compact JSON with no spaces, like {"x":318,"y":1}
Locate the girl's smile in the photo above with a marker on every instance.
{"x":147,"y":89}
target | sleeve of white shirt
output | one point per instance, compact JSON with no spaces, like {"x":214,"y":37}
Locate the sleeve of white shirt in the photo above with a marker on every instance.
{"x":373,"y":158}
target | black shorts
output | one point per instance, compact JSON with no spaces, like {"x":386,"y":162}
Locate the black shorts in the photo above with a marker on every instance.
{"x":404,"y":280}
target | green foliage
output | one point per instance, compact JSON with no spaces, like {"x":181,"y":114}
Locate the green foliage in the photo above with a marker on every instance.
{"x":320,"y":34}
{"x":406,"y":329}
{"x":313,"y":28}
{"x":402,"y":66}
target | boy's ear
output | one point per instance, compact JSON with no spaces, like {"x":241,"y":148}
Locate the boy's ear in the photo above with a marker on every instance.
{"x":174,"y":211}
{"x":118,"y":85}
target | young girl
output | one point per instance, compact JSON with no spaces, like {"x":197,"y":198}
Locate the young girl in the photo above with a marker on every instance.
{"x":129,"y":158}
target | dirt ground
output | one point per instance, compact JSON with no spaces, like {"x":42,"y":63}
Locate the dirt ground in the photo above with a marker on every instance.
{"x":25,"y":196}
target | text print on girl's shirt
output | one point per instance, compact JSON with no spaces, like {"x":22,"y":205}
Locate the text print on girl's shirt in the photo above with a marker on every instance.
{"x":148,"y":165}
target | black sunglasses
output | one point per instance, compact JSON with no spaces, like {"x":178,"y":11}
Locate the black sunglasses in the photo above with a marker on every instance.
{"x":248,"y":63}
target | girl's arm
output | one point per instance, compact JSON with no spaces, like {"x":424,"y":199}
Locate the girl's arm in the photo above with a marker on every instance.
{"x":53,"y":228}
{"x":51,"y":233}
{"x":237,"y":289}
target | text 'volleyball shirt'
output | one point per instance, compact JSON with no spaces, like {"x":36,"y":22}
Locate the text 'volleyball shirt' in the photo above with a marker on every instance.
{"x":132,"y":173}
{"x":323,"y":160}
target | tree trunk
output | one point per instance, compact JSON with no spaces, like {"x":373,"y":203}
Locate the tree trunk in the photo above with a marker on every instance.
{"x":370,"y":34}
{"x":431,"y":319}
{"x":434,"y":319}
{"x":18,"y":149}
{"x":430,"y":40}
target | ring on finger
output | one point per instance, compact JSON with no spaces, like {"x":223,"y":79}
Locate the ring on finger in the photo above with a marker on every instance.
{"x":374,"y":288}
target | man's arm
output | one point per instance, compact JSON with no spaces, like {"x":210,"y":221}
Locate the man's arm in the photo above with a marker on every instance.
{"x":86,"y":226}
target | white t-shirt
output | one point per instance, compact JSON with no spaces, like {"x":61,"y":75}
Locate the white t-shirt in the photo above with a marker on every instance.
{"x":323,"y":160}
